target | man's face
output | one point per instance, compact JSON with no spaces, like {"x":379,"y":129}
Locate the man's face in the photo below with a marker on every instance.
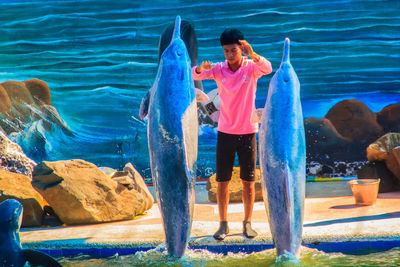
{"x":232,"y":53}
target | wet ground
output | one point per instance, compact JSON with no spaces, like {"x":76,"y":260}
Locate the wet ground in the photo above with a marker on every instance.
{"x":330,"y":216}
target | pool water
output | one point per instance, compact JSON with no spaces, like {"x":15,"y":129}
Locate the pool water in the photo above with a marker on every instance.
{"x":199,"y":257}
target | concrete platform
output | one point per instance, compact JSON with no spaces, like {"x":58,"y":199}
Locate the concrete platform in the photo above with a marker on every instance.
{"x":330,"y":216}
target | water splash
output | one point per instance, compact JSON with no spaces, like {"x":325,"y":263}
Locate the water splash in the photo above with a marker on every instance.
{"x":38,"y":130}
{"x":199,"y":257}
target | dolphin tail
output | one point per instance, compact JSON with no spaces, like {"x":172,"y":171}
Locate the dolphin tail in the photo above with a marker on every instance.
{"x":36,"y":258}
{"x":286,"y":51}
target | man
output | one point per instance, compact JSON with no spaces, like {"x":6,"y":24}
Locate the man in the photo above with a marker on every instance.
{"x":236,"y":79}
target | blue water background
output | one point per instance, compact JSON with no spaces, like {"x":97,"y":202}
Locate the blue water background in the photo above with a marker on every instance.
{"x":100,"y":57}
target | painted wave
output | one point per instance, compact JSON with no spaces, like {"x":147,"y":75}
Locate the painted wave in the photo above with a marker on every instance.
{"x":100,"y":57}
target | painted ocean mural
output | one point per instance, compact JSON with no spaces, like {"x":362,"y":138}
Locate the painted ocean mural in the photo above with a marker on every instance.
{"x":99,"y":58}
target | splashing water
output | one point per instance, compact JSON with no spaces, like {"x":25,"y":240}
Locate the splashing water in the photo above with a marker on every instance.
{"x":199,"y":257}
{"x":41,"y":133}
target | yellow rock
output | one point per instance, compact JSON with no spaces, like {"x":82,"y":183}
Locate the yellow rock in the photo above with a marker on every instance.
{"x":141,"y":187}
{"x":5,"y":102}
{"x":235,"y":187}
{"x":17,"y":92}
{"x":80,"y":193}
{"x":39,"y":90}
{"x":18,"y":186}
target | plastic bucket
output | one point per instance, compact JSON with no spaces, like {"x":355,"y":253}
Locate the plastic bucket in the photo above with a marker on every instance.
{"x":365,"y":191}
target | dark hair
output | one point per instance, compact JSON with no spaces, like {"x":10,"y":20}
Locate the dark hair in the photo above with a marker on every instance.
{"x":231,"y":36}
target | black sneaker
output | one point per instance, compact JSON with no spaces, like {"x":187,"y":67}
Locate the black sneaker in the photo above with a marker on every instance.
{"x":248,"y":231}
{"x":222,"y":231}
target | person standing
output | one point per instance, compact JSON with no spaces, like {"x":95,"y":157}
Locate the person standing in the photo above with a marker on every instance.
{"x":236,"y":80}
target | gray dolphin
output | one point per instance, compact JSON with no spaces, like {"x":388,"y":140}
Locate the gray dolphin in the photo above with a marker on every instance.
{"x":283,"y":158}
{"x":188,"y":35}
{"x":11,"y":252}
{"x":172,"y":134}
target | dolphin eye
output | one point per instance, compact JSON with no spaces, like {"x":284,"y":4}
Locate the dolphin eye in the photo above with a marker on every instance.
{"x":179,"y":53}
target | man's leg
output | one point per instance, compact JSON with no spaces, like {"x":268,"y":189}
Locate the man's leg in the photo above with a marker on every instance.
{"x":225,"y":160}
{"x":247,"y":153}
{"x":223,"y":201}
{"x":248,"y":196}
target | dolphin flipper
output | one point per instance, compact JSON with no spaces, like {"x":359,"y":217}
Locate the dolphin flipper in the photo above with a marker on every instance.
{"x":144,"y":106}
{"x":288,"y":193}
{"x":36,"y":258}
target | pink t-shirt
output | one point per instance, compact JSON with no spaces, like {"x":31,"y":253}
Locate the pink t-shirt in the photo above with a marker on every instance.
{"x":237,"y":91}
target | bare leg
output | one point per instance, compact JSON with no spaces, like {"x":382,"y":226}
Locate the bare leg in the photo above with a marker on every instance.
{"x":248,"y":196}
{"x":223,"y":201}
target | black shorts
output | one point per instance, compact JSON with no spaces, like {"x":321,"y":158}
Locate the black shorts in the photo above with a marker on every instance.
{"x":246,"y":147}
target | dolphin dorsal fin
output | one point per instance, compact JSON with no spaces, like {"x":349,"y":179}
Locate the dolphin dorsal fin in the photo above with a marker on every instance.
{"x":177,"y":29}
{"x":286,"y":51}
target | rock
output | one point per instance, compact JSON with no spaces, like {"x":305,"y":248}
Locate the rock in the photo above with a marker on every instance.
{"x":17,"y":92}
{"x":389,"y":118}
{"x":9,"y":123}
{"x":50,"y":218}
{"x":324,"y":144}
{"x":23,"y":103}
{"x":39,"y":90}
{"x":123,"y":178}
{"x":393,"y":162}
{"x":47,"y":176}
{"x":378,"y":170}
{"x":80,"y":193}
{"x":13,"y":159}
{"x":140,"y":186}
{"x":379,"y":150}
{"x":18,"y":186}
{"x":235,"y":187}
{"x":354,"y":120}
{"x":5,"y":102}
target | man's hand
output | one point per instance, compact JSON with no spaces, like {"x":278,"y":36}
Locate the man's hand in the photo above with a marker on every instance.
{"x":205,"y":65}
{"x":248,"y":51}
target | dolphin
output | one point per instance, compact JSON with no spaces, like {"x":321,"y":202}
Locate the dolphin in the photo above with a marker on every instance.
{"x":11,"y":252}
{"x":188,"y":35}
{"x":283,"y":158}
{"x":172,"y":135}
